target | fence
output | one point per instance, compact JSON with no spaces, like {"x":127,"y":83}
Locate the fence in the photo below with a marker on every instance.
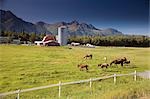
{"x":69,"y":83}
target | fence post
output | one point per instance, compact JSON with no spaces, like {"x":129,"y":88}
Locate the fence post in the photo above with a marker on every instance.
{"x":18,"y":95}
{"x":59,"y":89}
{"x":90,"y":82}
{"x":114,"y":78}
{"x":135,"y":75}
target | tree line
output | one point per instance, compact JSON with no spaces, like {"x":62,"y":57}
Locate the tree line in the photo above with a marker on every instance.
{"x":124,"y":40}
{"x":23,"y":36}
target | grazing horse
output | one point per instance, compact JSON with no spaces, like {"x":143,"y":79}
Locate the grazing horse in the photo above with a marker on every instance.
{"x":88,"y":56}
{"x":103,"y":65}
{"x":119,"y":61}
{"x":82,"y":66}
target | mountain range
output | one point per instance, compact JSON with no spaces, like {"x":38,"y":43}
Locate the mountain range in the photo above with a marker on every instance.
{"x":10,"y":22}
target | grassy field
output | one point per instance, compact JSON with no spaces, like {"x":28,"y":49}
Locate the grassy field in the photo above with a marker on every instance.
{"x":23,"y":67}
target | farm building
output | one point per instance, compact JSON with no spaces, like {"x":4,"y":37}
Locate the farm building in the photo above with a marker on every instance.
{"x":4,"y":40}
{"x":62,"y":35}
{"x":75,"y":44}
{"x":38,"y":43}
{"x":48,"y":40}
{"x":16,"y":41}
{"x":9,"y":40}
{"x":51,"y":40}
{"x":90,"y":45}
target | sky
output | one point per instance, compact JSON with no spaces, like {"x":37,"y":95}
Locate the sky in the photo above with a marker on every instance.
{"x":127,"y":16}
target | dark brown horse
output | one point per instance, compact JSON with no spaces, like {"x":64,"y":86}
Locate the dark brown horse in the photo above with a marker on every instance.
{"x":103,"y":65}
{"x":82,"y":66}
{"x":88,"y":56}
{"x":119,"y":61}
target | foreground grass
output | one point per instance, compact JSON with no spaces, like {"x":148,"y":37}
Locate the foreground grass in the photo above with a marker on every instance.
{"x":24,"y":67}
{"x":105,"y":89}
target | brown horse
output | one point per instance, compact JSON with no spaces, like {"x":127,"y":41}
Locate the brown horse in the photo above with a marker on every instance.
{"x":119,"y":61}
{"x":88,"y":56}
{"x":103,"y":65}
{"x":82,"y":66}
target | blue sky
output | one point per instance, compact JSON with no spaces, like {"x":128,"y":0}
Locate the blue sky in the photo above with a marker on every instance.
{"x":128,"y":16}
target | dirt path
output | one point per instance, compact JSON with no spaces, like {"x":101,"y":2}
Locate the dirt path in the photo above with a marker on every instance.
{"x":145,"y":74}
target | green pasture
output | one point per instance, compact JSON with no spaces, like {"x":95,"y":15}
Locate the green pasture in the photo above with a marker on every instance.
{"x":23,"y":67}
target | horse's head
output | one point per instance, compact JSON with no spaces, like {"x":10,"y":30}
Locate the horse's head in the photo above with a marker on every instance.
{"x":85,"y":56}
{"x":78,"y":65}
{"x":91,"y":56}
{"x":127,"y":62}
{"x":99,"y":65}
{"x":107,"y":64}
{"x":111,"y":63}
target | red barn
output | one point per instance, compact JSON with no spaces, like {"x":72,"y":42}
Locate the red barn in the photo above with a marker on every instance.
{"x":48,"y":40}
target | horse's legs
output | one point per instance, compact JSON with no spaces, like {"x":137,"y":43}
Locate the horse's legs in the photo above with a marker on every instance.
{"x":87,"y":68}
{"x":121,"y":63}
{"x":116,"y":65}
{"x":90,"y":57}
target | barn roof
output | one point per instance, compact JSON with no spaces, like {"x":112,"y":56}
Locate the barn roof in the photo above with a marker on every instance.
{"x":49,"y":38}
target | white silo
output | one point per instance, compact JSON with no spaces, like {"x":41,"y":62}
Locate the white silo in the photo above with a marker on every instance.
{"x":62,"y":35}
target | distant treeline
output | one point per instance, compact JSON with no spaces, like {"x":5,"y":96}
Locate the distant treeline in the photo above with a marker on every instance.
{"x":23,"y":36}
{"x":125,"y":40}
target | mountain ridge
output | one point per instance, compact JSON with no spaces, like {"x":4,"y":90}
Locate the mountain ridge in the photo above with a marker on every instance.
{"x":10,"y":22}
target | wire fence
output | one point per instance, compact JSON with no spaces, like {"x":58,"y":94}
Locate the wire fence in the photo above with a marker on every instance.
{"x":17,"y":92}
